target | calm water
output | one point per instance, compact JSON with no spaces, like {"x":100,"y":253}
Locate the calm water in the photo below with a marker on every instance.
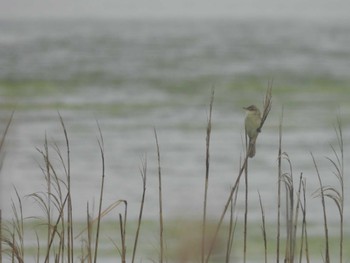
{"x":133,"y":76}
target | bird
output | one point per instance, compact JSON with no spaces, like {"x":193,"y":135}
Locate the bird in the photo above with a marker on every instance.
{"x":252,"y":127}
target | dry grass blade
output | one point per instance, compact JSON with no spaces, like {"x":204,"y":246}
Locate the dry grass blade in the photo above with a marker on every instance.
{"x":101,"y":146}
{"x":55,"y":227}
{"x":161,"y":229}
{"x":143,"y":172}
{"x":279,"y":178}
{"x":2,"y":140}
{"x":70,"y":244}
{"x":105,"y":212}
{"x":295,"y":222}
{"x":15,"y":237}
{"x":291,"y":211}
{"x":207,"y":163}
{"x":263,"y":228}
{"x":89,"y":234}
{"x":232,"y":228}
{"x":0,"y":236}
{"x":122,"y":224}
{"x":267,"y":104}
{"x":333,"y":193}
{"x":304,"y":226}
{"x":322,"y":194}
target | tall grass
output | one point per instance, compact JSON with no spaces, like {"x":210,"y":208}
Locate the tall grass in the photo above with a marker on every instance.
{"x":206,"y":184}
{"x":2,"y":141}
{"x":60,"y":234}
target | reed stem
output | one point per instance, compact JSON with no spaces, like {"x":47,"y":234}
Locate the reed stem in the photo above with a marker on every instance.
{"x":207,"y":163}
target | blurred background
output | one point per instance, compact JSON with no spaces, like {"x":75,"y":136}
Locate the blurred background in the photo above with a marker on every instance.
{"x":134,"y":66}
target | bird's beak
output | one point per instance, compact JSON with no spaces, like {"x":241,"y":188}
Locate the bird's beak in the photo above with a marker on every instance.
{"x":245,"y":108}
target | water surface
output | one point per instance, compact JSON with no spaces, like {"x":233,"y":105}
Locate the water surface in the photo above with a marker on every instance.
{"x":136,"y":75}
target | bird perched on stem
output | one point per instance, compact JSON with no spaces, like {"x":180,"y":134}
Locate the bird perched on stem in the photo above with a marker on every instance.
{"x":252,"y":127}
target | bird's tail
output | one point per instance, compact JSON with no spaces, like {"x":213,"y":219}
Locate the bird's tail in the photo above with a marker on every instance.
{"x":251,"y":148}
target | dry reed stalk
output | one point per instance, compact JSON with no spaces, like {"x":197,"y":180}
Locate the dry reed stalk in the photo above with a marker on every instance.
{"x":292,"y":211}
{"x":70,"y":243}
{"x":38,"y":248}
{"x":0,"y":236}
{"x":267,"y":107}
{"x":245,"y":230}
{"x":338,"y":195}
{"x":2,"y":141}
{"x":42,"y":199}
{"x":304,"y":236}
{"x":305,"y":230}
{"x":122,"y":224}
{"x":232,"y":228}
{"x":49,"y":193}
{"x":19,"y":224}
{"x":295,"y":222}
{"x":101,"y":146}
{"x":143,"y":172}
{"x":332,"y":192}
{"x":161,"y":229}
{"x":3,"y":137}
{"x":267,"y":104}
{"x":105,"y":212}
{"x":279,"y":174}
{"x":89,"y":234}
{"x":55,"y":227}
{"x":263,"y":228}
{"x":325,"y":225}
{"x":58,"y":199}
{"x":13,"y":236}
{"x":207,"y":164}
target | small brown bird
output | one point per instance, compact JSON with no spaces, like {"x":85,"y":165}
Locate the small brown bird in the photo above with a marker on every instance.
{"x":252,"y":125}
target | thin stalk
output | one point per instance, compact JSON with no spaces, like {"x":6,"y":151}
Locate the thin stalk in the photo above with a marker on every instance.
{"x":70,"y":243}
{"x":305,"y":223}
{"x":232,"y":228}
{"x":207,"y":163}
{"x":341,"y":145}
{"x":143,"y":172}
{"x":2,"y":139}
{"x":340,"y":176}
{"x":233,"y":190}
{"x":0,"y":236}
{"x":245,"y":234}
{"x":263,"y":228}
{"x":327,"y":259}
{"x":101,"y":146}
{"x":295,"y":221}
{"x":54,"y":230}
{"x":48,"y":181}
{"x":279,"y":189}
{"x":289,"y":186}
{"x":38,"y":248}
{"x":122,"y":233}
{"x":161,"y":241}
{"x":14,"y":252}
{"x":18,"y":223}
{"x":303,"y":226}
{"x":89,"y":234}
